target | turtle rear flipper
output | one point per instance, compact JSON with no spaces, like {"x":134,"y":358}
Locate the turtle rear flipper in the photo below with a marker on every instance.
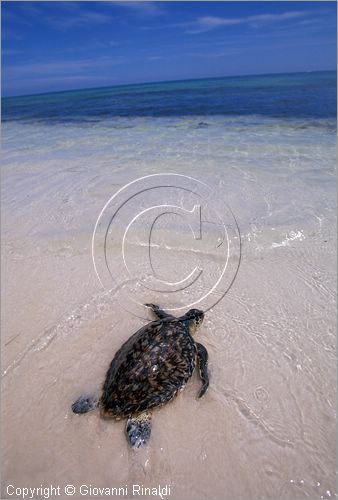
{"x":85,"y":404}
{"x":138,"y":429}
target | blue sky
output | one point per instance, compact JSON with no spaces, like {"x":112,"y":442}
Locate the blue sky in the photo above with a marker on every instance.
{"x":50,"y":46}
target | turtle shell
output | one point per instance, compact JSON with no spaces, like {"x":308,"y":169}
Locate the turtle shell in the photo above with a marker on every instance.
{"x":149,"y":369}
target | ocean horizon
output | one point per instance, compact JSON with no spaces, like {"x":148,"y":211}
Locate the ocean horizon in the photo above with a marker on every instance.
{"x":286,"y":95}
{"x":155,"y":82}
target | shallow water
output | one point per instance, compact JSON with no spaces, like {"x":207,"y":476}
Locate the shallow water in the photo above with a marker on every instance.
{"x":266,"y":427}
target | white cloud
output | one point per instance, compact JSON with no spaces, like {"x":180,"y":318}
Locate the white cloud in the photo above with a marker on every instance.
{"x":150,"y":8}
{"x":207,"y":23}
{"x":78,"y":19}
{"x":155,"y":58}
{"x":60,"y":14}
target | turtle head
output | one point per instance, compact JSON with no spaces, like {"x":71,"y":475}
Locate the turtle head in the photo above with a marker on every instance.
{"x":194,"y":318}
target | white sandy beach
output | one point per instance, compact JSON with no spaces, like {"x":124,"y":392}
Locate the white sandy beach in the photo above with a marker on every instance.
{"x":266,"y":427}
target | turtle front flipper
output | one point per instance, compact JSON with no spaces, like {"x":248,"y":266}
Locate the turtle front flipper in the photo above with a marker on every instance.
{"x":138,"y":429}
{"x":85,"y":404}
{"x":159,"y":313}
{"x":202,"y":355}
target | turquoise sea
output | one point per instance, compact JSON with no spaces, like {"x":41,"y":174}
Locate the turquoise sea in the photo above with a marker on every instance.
{"x":278,"y":130}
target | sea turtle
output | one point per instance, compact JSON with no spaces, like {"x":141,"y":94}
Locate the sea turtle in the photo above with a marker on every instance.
{"x":148,"y":371}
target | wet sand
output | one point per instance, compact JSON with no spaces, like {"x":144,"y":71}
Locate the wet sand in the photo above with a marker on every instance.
{"x":266,"y":427}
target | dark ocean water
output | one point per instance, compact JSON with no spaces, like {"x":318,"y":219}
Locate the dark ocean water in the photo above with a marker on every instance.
{"x":295,"y":95}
